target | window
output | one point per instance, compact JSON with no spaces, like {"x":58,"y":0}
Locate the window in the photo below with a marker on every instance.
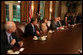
{"x":12,"y":11}
{"x":16,"y":13}
{"x":7,"y":12}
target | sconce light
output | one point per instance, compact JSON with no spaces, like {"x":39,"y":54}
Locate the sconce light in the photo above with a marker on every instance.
{"x":50,"y":10}
{"x":19,"y":1}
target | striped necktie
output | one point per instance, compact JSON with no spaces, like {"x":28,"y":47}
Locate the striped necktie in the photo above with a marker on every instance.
{"x":33,"y":29}
{"x":10,"y":38}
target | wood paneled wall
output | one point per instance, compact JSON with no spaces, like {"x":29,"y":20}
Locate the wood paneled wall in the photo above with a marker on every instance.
{"x":47,"y":9}
{"x":35,"y":8}
{"x":25,"y":10}
{"x":59,"y":14}
{"x":53,"y":10}
{"x":3,"y":12}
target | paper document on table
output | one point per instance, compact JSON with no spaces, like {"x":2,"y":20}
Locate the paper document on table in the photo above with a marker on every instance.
{"x":21,"y":49}
{"x":50,"y":31}
{"x":10,"y":52}
{"x":16,"y":52}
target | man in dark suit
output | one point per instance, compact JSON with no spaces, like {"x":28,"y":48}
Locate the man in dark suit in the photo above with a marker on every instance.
{"x":65,"y":21}
{"x":59,"y":22}
{"x":30,"y":29}
{"x":78,"y":18}
{"x":9,"y":38}
{"x":70,"y":19}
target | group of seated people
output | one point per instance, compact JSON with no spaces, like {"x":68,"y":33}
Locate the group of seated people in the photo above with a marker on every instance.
{"x":9,"y":37}
{"x":73,"y":18}
{"x":33,"y":29}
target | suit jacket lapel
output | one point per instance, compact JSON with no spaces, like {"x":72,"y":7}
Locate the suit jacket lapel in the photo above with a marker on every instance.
{"x":5,"y":36}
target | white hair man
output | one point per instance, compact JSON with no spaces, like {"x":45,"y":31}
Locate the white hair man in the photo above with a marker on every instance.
{"x":8,"y":37}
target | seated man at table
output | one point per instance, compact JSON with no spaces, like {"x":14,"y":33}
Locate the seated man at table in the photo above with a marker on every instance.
{"x":59,"y":22}
{"x":74,"y":21}
{"x":54,"y":24}
{"x":8,"y":37}
{"x":65,"y":21}
{"x":30,"y":29}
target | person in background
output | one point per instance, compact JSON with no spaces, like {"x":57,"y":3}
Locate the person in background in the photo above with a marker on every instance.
{"x":37,"y":27}
{"x":54,"y":24}
{"x":78,"y":18}
{"x":70,"y":19}
{"x":74,"y":20}
{"x":39,"y":15}
{"x":9,"y":37}
{"x":44,"y":25}
{"x":59,"y":22}
{"x":66,"y":15}
{"x":65,"y":21}
{"x":30,"y":29}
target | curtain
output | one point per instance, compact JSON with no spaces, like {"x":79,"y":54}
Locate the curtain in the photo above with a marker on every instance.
{"x":24,"y":11}
{"x":56,"y":8}
{"x":42,"y":7}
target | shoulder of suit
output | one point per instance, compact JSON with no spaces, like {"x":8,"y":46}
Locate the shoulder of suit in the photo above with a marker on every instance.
{"x":3,"y":30}
{"x":28,"y":24}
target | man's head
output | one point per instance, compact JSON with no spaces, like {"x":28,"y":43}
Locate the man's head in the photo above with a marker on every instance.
{"x":10,"y":27}
{"x":66,"y":18}
{"x":44,"y":20}
{"x":59,"y":18}
{"x":56,"y":19}
{"x":34,"y":21}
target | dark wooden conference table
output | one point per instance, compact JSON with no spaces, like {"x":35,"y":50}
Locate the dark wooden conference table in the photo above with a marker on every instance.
{"x":60,"y":42}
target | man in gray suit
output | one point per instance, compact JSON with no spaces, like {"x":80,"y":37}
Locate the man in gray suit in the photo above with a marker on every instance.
{"x":55,"y":24}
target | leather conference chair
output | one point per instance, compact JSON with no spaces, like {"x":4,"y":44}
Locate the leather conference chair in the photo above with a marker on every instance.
{"x":19,"y":33}
{"x":21,"y":26}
